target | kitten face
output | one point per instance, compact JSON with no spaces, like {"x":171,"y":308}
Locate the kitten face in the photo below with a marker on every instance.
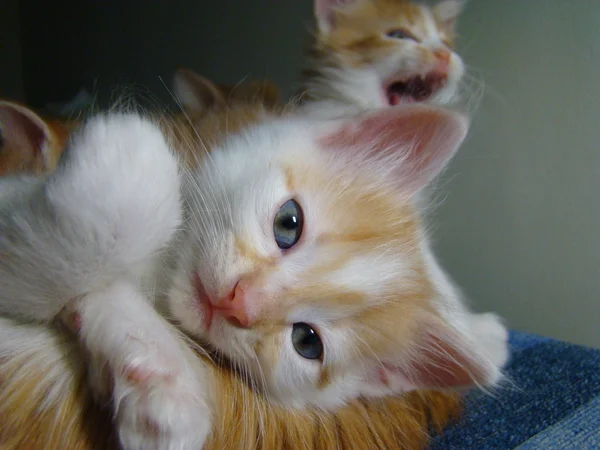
{"x":303,"y":268}
{"x":393,"y":50}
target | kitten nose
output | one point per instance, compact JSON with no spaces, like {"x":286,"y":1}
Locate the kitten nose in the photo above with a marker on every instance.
{"x":233,"y":307}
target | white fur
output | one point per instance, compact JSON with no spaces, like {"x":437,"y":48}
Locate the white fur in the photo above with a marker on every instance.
{"x":86,"y":239}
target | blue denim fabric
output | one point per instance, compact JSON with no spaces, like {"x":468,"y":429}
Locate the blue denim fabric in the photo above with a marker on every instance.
{"x":551,"y":402}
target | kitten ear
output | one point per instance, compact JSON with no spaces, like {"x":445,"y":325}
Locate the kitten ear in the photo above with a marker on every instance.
{"x":261,"y":91}
{"x":324,"y":13}
{"x":196,"y":93}
{"x":447,"y":11}
{"x":24,"y":136}
{"x":410,"y":144}
{"x":440,"y":357}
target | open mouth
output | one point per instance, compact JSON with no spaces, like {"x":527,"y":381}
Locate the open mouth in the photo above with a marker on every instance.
{"x":414,"y":89}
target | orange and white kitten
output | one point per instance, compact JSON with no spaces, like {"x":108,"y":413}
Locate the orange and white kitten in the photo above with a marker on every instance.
{"x":377,"y":53}
{"x":42,"y":380}
{"x":294,"y":252}
{"x":29,"y":143}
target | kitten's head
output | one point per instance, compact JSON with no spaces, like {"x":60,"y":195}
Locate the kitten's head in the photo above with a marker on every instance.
{"x":389,"y":51}
{"x":304,"y":265}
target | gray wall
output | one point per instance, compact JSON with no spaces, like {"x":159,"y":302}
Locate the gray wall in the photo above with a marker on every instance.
{"x":520,"y":228}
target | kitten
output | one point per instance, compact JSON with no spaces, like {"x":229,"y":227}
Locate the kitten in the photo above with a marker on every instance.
{"x":278,"y":266}
{"x":378,"y":53}
{"x":58,"y":407}
{"x":29,"y":143}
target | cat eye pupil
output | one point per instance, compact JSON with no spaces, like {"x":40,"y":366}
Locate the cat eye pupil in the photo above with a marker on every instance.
{"x":288,"y":224}
{"x":306,"y":341}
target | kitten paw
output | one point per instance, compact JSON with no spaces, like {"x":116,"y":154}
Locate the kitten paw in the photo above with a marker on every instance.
{"x":120,"y":179}
{"x":492,"y":335}
{"x":160,"y":410}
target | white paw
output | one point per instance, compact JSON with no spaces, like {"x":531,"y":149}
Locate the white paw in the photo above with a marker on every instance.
{"x":492,"y":336}
{"x":160,"y":408}
{"x":120,"y":178}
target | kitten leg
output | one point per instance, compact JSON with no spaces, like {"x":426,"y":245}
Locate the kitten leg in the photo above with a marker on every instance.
{"x":160,"y":400}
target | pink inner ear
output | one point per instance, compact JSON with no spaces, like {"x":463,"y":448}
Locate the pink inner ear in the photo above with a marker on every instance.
{"x":413,"y":142}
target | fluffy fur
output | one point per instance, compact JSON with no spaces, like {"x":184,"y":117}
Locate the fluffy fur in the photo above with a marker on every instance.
{"x":376,"y":53}
{"x":97,"y":248}
{"x":30,"y":143}
{"x":44,"y":387}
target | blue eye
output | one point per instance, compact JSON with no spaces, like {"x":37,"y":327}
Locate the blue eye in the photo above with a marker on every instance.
{"x":288,"y":225}
{"x":306,"y":341}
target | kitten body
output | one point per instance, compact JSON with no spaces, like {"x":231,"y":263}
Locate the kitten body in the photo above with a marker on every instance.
{"x":90,"y":239}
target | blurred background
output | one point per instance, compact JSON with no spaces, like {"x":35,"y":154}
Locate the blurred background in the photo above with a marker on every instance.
{"x":519,"y":227}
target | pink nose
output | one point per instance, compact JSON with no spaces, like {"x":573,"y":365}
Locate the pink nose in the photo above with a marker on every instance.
{"x":233,"y":307}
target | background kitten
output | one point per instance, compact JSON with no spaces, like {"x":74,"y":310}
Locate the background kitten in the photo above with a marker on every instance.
{"x":375,"y":53}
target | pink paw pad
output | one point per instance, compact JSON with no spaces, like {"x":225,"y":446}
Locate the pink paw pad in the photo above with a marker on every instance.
{"x":140,"y":376}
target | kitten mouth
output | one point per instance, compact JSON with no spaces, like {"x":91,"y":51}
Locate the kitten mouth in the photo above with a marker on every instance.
{"x":203,"y":301}
{"x":414,"y":89}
